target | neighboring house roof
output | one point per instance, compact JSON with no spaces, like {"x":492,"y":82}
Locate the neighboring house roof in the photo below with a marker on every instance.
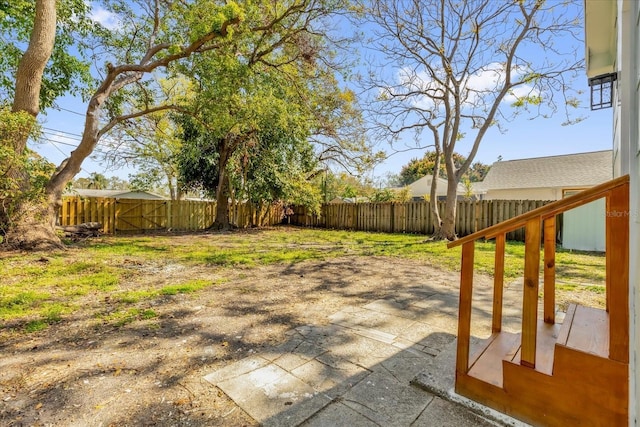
{"x":116,"y":194}
{"x":422,"y":187}
{"x":566,"y":171}
{"x":350,"y":200}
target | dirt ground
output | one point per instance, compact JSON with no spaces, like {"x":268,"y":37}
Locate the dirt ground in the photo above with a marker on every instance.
{"x":150,"y":372}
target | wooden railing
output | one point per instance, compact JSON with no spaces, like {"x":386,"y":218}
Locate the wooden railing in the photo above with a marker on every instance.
{"x":540,"y":225}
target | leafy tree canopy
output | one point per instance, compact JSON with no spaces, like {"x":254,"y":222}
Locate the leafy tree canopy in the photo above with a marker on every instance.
{"x":417,"y":168}
{"x":68,"y":70}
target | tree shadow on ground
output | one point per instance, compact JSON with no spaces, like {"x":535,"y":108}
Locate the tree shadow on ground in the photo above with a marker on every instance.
{"x":149,"y":372}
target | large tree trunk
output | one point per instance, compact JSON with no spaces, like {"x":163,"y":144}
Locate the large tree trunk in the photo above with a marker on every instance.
{"x":222,"y":192}
{"x":447,"y":229}
{"x":26,"y":228}
{"x":433,"y":195}
{"x":33,"y":228}
{"x":33,"y":62}
{"x":222,"y":204}
{"x":41,"y":217}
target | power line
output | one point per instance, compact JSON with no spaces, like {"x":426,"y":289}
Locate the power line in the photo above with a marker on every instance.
{"x":48,"y":137}
{"x":60,"y":138}
{"x":70,"y":111}
{"x":96,"y":151}
{"x":44,"y":138}
{"x":58,"y":148}
{"x":75,"y":137}
{"x":62,"y":131}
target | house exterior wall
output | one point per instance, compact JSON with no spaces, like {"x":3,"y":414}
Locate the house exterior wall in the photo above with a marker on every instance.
{"x":422,"y":187}
{"x":524,"y":194}
{"x":139,"y":195}
{"x":627,"y":161}
{"x":584,"y":228}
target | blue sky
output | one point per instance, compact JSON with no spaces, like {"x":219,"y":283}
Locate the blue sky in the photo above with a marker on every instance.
{"x":524,"y":137}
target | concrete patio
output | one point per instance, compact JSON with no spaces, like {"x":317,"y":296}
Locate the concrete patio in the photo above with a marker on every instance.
{"x":390,"y":362}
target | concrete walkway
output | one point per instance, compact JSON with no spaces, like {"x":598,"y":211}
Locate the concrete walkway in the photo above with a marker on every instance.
{"x":371,"y":365}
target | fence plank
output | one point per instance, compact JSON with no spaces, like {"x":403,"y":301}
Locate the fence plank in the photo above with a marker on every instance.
{"x":139,"y":215}
{"x":414,"y":217}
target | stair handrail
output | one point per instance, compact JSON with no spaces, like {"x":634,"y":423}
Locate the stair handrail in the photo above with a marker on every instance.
{"x":536,"y":222}
{"x":544,"y":212}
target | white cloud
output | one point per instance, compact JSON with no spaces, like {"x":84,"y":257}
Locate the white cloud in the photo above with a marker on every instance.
{"x":479,"y":86}
{"x":105,"y":18}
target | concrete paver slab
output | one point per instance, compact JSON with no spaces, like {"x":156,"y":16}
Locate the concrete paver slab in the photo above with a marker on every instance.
{"x":330,"y":376}
{"x":381,"y":364}
{"x":356,"y":348}
{"x":444,"y":322}
{"x":339,"y":414}
{"x":390,"y":307}
{"x":386,"y":401}
{"x":403,"y":367}
{"x":373,"y":320}
{"x":274,"y":397}
{"x":237,"y":369}
{"x":290,"y":361}
{"x":442,"y":413}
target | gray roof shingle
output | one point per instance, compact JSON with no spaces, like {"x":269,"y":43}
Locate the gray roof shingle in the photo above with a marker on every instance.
{"x":570,"y":170}
{"x":122,"y":194}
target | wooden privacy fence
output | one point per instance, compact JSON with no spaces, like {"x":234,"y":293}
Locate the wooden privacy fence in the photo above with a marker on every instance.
{"x":128,"y":216}
{"x":415,"y":217}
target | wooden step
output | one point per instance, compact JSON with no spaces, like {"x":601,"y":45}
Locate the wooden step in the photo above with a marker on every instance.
{"x":487,"y":364}
{"x":545,"y":346}
{"x":574,"y":381}
{"x":586,"y":329}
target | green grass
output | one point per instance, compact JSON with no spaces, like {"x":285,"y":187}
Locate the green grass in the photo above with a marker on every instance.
{"x":185,"y":288}
{"x":126,"y":316}
{"x":40,"y":289}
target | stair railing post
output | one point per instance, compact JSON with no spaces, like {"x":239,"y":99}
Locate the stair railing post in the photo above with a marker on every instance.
{"x":617,"y":275}
{"x":530,"y":293}
{"x":498,"y":284}
{"x":464,"y":309}
{"x":550,"y":270}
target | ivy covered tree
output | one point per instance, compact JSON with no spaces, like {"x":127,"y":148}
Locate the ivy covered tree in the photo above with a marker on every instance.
{"x":31,"y":84}
{"x":151,"y":37}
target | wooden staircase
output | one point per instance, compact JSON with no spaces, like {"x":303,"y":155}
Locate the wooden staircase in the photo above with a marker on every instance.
{"x":552,"y":374}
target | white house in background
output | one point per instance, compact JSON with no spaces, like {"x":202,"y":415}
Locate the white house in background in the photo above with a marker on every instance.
{"x":422,"y":187}
{"x":553,"y":178}
{"x":546,"y":178}
{"x":612,"y":42}
{"x":114,"y":194}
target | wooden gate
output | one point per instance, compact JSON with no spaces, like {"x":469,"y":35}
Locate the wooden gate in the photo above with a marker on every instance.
{"x":139,"y":216}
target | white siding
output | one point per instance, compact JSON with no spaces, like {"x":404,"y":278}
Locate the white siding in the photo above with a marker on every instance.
{"x":634,"y":150}
{"x":583,"y":228}
{"x":626,"y":139}
{"x":524,"y":194}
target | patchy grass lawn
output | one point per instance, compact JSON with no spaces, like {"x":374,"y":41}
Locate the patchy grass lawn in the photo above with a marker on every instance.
{"x":122,"y":330}
{"x":112,"y":275}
